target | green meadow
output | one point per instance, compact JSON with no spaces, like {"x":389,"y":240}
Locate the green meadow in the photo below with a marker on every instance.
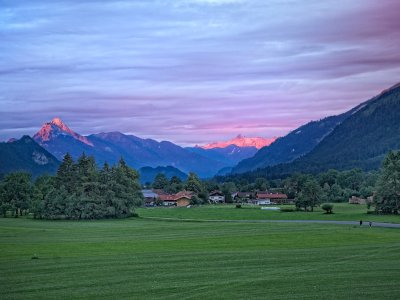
{"x":152,"y":259}
{"x":342,"y":212}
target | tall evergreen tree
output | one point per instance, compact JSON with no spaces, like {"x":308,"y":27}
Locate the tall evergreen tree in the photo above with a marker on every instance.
{"x":193,"y":183}
{"x":161,"y":181}
{"x":66,"y":174}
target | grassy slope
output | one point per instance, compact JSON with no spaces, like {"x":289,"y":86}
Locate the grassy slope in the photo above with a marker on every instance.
{"x":342,"y":212}
{"x":146,"y":259}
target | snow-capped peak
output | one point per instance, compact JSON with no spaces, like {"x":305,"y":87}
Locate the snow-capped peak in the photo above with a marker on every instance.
{"x":55,"y":128}
{"x":242,"y":141}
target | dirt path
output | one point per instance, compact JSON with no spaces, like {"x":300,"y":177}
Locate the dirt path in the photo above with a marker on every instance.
{"x":357,"y":223}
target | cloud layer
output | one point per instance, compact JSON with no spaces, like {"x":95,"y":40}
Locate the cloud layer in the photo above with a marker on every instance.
{"x":191,"y":71}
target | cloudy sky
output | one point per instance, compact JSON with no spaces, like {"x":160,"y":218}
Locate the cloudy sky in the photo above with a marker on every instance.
{"x":191,"y":71}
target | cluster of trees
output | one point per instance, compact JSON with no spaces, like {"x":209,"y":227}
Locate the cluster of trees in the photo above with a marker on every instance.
{"x":79,"y":190}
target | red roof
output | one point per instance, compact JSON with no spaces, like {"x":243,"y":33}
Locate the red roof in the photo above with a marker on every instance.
{"x":176,"y":197}
{"x":271,"y":196}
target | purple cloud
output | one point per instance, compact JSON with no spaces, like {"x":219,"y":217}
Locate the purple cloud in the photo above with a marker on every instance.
{"x":191,"y":71}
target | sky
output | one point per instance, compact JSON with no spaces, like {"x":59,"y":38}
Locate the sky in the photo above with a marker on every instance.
{"x":191,"y":71}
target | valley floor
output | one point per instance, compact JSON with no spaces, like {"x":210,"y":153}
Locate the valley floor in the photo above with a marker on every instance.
{"x":152,"y":259}
{"x":342,"y":212}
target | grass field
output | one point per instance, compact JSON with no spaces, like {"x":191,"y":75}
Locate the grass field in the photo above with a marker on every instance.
{"x":149,"y":259}
{"x":342,"y":212}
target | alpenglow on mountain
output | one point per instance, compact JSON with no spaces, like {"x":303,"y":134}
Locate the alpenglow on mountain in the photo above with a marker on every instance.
{"x":360,"y":140}
{"x":242,"y":141}
{"x":295,"y":144}
{"x":57,"y":138}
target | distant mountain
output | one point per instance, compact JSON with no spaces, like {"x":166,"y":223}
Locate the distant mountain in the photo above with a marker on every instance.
{"x":56,"y":128}
{"x":147,"y":174}
{"x":241,"y":141}
{"x":26,"y":155}
{"x":295,"y":144}
{"x":229,"y":155}
{"x":361,"y":140}
{"x":59,"y":139}
{"x":147,"y":152}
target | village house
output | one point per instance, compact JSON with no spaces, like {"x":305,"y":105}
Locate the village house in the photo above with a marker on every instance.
{"x":358,"y":200}
{"x":179,"y":199}
{"x":216,"y":197}
{"x":265,"y":198}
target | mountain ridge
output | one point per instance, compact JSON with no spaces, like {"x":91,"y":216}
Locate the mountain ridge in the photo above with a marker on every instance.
{"x":361,"y":141}
{"x":296,"y":143}
{"x":58,"y":139}
{"x":27,"y":156}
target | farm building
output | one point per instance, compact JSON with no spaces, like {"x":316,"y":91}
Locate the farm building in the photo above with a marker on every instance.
{"x":264,"y":198}
{"x":216,"y":197}
{"x":178,"y":199}
{"x":357,"y":200}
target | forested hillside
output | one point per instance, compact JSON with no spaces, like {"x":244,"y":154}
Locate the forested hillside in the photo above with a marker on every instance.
{"x":26,"y":155}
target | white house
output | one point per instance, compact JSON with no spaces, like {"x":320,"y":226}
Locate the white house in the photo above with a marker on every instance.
{"x":216,"y":197}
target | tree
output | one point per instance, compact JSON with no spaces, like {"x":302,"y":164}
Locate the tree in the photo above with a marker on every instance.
{"x":175,"y":180}
{"x":175,"y":185}
{"x":66,"y":173}
{"x":261,"y":184}
{"x":193,"y":183}
{"x":388,"y":187}
{"x":81,"y":191}
{"x":227,"y":189}
{"x":327,"y":207}
{"x":309,"y":196}
{"x":43,"y":185}
{"x":16,"y":193}
{"x":160,"y":181}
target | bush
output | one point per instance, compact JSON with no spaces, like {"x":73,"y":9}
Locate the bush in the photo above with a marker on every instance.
{"x":238,"y":205}
{"x":327,"y":207}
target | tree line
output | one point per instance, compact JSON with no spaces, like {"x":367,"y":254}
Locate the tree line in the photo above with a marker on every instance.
{"x":79,"y":190}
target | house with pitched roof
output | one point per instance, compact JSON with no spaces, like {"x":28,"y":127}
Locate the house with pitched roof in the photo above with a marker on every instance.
{"x":265,"y":198}
{"x":216,"y":197}
{"x":179,"y":199}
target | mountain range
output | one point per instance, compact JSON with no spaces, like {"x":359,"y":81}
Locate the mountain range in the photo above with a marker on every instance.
{"x":57,"y":138}
{"x":359,"y":138}
{"x":295,"y":144}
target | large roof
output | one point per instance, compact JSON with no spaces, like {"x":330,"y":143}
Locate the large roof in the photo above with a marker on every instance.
{"x":271,"y":196}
